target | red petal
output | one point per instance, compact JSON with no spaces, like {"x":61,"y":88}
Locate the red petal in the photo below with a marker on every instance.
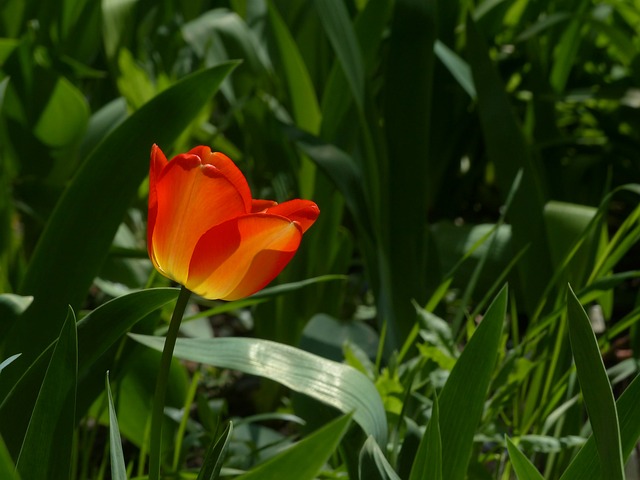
{"x":158,"y":162}
{"x":191,"y":199}
{"x":239,"y":257}
{"x":261,"y":206}
{"x":228,"y":168}
{"x":304,"y":212}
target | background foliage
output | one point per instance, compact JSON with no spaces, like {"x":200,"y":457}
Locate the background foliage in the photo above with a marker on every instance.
{"x":452,"y":147}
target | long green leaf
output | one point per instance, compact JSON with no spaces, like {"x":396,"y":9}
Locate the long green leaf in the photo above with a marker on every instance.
{"x":97,"y":332}
{"x":373,"y":464}
{"x":337,"y":25}
{"x":596,"y":389}
{"x":586,"y":464}
{"x":507,"y":148}
{"x":118,"y":468}
{"x":463,"y":396}
{"x":304,"y":460}
{"x":525,"y":470}
{"x":335,"y":384}
{"x":47,"y":448}
{"x":212,"y":464}
{"x":86,"y":218}
{"x":7,"y":469}
{"x":407,"y":117}
{"x":428,"y":462}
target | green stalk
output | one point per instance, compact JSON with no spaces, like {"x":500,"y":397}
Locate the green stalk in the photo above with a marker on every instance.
{"x":161,"y":385}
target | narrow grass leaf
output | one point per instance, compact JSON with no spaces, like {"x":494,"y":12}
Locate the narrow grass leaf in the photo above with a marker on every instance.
{"x":47,"y":447}
{"x":373,"y":464}
{"x":456,"y":66}
{"x":304,"y":460}
{"x":8,"y":361}
{"x":525,"y":470}
{"x":509,"y":151}
{"x":335,"y":384}
{"x":212,"y":464}
{"x":7,"y":469}
{"x":118,"y":468}
{"x":463,"y":396}
{"x":337,"y":25}
{"x":102,"y":188}
{"x":596,"y":389}
{"x":97,"y":332}
{"x":586,"y":464}
{"x":428,"y":462}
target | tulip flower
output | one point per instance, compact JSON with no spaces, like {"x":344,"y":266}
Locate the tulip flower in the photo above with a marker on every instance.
{"x":206,"y":232}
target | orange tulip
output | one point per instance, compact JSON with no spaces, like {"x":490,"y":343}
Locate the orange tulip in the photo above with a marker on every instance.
{"x":208,"y":234}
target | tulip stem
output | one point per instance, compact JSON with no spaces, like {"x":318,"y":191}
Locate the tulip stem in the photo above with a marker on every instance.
{"x":157,"y":414}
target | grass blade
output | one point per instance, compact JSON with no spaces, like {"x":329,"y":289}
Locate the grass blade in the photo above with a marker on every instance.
{"x":47,"y":447}
{"x":428,"y":462}
{"x":596,"y":389}
{"x":463,"y":396}
{"x":525,"y":470}
{"x":118,"y":468}
{"x":210,"y":469}
{"x":373,"y":464}
{"x":304,"y":460}
{"x":336,"y":384}
{"x":337,"y":25}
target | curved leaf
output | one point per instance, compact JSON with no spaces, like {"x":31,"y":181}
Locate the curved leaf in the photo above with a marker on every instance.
{"x":335,"y":384}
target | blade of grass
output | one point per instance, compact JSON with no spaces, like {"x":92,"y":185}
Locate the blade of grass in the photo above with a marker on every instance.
{"x":428,"y":462}
{"x":373,"y":464}
{"x":336,"y":384}
{"x":508,"y":150}
{"x":337,"y":25}
{"x":47,"y":447}
{"x":304,"y":460}
{"x":212,"y":464}
{"x":118,"y":468}
{"x":463,"y":396}
{"x":596,"y":389}
{"x":523,"y":467}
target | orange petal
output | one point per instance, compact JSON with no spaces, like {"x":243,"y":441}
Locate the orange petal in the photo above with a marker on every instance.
{"x":158,"y":162}
{"x":304,"y":212}
{"x":192,"y":197}
{"x":228,"y":168}
{"x":261,"y":206}
{"x":239,"y":257}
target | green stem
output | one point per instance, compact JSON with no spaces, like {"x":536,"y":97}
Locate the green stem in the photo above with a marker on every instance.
{"x":161,"y":386}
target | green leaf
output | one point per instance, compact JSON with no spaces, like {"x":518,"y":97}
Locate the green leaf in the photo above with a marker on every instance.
{"x":7,"y":469}
{"x":428,"y":462}
{"x":596,"y":389}
{"x":212,"y":464}
{"x":407,"y":119}
{"x":47,"y":447}
{"x":373,"y":464}
{"x":8,"y":361}
{"x":463,"y":396}
{"x":118,"y":468}
{"x":335,"y":384}
{"x":508,"y":150}
{"x":337,"y":25}
{"x":525,"y":470}
{"x":102,"y":189}
{"x":97,"y":332}
{"x":304,"y":460}
{"x":456,"y":66}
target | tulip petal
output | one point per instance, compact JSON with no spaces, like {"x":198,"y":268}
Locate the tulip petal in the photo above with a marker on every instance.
{"x":239,"y":257}
{"x":305,"y":212}
{"x":261,"y":206}
{"x":158,"y":162}
{"x":228,"y":168}
{"x":192,"y":197}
